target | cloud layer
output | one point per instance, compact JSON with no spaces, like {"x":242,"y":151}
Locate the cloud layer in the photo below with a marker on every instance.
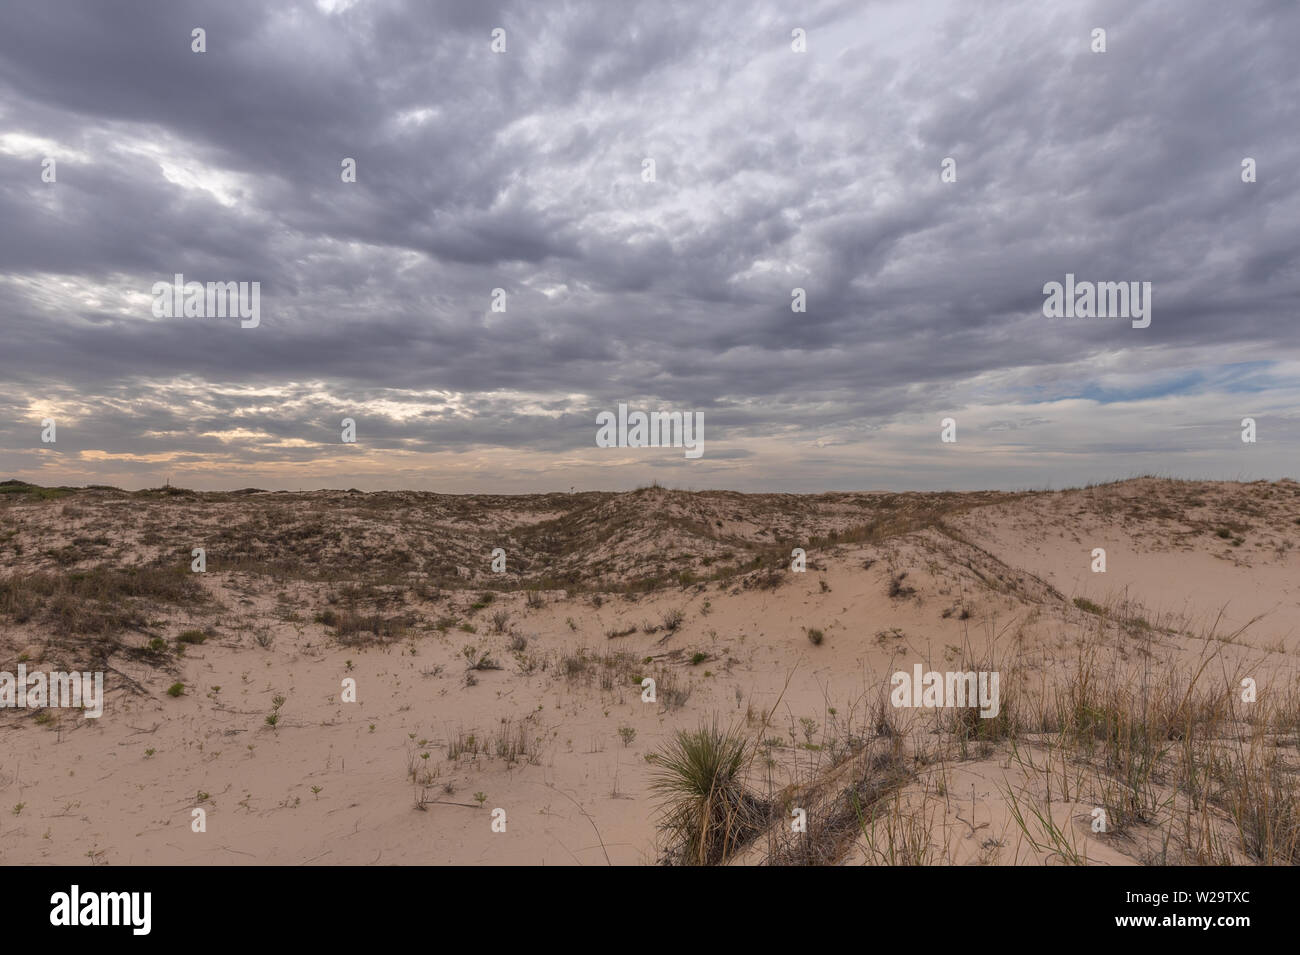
{"x":523,"y":171}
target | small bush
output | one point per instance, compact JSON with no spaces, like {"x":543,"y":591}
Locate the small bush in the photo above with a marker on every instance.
{"x":707,"y":812}
{"x":671,"y":691}
{"x":1086,"y":605}
{"x":896,"y":588}
{"x":479,"y":659}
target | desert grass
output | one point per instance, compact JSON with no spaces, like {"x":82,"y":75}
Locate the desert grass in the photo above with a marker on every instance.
{"x":708,"y":811}
{"x":1160,"y":759}
{"x":100,"y":601}
{"x":1172,"y":756}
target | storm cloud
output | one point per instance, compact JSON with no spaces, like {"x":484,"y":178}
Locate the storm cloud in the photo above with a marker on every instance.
{"x":523,"y":170}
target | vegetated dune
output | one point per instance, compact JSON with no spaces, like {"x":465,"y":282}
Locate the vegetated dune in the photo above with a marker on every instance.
{"x":1123,"y":732}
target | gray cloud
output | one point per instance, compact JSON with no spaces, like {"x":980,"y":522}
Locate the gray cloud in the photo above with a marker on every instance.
{"x":522,"y":171}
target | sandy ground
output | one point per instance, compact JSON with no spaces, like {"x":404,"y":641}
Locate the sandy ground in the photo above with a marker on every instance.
{"x":988,"y":576}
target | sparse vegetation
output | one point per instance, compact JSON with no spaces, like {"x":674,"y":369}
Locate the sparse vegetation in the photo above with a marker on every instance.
{"x":897,"y":589}
{"x":1087,"y":606}
{"x":1099,"y":707}
{"x":479,"y":659}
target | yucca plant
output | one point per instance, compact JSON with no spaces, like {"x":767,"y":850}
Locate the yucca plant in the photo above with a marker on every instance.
{"x":708,"y":812}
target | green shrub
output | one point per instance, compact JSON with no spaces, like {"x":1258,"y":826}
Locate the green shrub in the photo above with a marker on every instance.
{"x":707,"y":812}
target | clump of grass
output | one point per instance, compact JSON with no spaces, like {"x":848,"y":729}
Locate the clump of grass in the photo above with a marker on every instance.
{"x":575,"y":665}
{"x":897,"y":589}
{"x":968,"y":724}
{"x":176,"y":689}
{"x":1087,"y":606}
{"x":463,"y":744}
{"x":672,"y":620}
{"x":192,"y":636}
{"x":815,"y":636}
{"x":708,"y":813}
{"x":671,"y":691}
{"x":511,"y":743}
{"x":479,"y":659}
{"x":1260,"y":795}
{"x":1038,"y":826}
{"x":354,"y":629}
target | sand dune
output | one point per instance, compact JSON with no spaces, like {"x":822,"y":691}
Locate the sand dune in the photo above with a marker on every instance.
{"x":522,"y":690}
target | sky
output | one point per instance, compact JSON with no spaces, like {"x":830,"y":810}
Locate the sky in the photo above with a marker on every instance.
{"x":503,"y":145}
